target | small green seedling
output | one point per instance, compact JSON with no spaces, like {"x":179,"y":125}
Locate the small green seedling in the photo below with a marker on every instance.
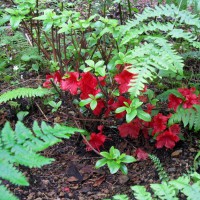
{"x":115,"y":161}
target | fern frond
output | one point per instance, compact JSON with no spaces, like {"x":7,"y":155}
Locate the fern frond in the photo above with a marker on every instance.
{"x":164,"y":191}
{"x":22,"y":93}
{"x":140,"y":193}
{"x":5,"y":194}
{"x":159,"y":167}
{"x":189,"y":117}
{"x":21,"y":146}
{"x":147,"y":61}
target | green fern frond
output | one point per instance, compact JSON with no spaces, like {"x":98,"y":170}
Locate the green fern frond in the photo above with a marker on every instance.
{"x":189,"y":117}
{"x":140,"y":193}
{"x":21,"y":147}
{"x":164,"y":191}
{"x":5,"y":194}
{"x":22,"y":93}
{"x":159,"y":167}
{"x":147,"y":61}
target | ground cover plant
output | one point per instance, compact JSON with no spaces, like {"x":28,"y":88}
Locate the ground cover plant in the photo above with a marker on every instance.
{"x":129,"y":74}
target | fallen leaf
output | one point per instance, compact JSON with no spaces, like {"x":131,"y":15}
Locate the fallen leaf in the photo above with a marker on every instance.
{"x":99,"y":181}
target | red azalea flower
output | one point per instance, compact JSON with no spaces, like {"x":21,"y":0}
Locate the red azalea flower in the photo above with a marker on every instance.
{"x":175,"y":129}
{"x":102,"y":80}
{"x":123,"y":79}
{"x":129,"y":129}
{"x":70,"y":82}
{"x":120,"y":103}
{"x":100,"y":106}
{"x":88,"y":85}
{"x":140,"y":154}
{"x":174,"y":102}
{"x":190,"y":100}
{"x":159,"y":123}
{"x":166,"y":139}
{"x":56,"y":77}
{"x":109,"y":107}
{"x":96,"y":140}
{"x":150,"y":107}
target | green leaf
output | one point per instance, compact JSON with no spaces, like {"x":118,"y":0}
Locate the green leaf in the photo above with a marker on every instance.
{"x":90,"y":63}
{"x":6,"y":195}
{"x":120,"y":109}
{"x":130,"y":116}
{"x":15,"y":21}
{"x":140,"y":193}
{"x":99,"y":64}
{"x":106,"y":155}
{"x":143,"y":115}
{"x":101,"y":163}
{"x":101,"y":70}
{"x":114,"y":153}
{"x":93,"y":104}
{"x":85,"y":102}
{"x":21,"y":115}
{"x":128,"y":159}
{"x":124,"y":169}
{"x":113,"y":166}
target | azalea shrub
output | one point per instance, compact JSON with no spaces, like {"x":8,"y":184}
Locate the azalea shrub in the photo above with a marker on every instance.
{"x":107,"y":97}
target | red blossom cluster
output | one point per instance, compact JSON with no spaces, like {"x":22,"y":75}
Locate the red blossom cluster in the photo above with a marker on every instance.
{"x":85,"y":84}
{"x":188,"y":99}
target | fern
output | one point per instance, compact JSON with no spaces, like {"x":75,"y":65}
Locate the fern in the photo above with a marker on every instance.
{"x":22,"y":93}
{"x":161,"y":171}
{"x":189,"y":185}
{"x":21,"y":147}
{"x":164,"y":191}
{"x":140,"y":193}
{"x":189,"y":117}
{"x":5,"y":194}
{"x":156,"y":36}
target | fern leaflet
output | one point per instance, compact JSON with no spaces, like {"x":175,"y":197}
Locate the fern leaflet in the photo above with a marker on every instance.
{"x":23,"y":92}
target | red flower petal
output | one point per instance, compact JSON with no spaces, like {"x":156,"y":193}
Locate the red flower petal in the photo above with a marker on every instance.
{"x":159,"y":123}
{"x":96,"y":141}
{"x":174,"y":102}
{"x":166,"y":139}
{"x":129,"y":129}
{"x":140,"y":154}
{"x":123,"y":79}
{"x":70,"y":83}
{"x":100,"y":106}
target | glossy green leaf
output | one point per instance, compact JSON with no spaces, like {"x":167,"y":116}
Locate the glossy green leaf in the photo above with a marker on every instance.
{"x":128,"y":159}
{"x":113,"y":166}
{"x":120,"y":109}
{"x":143,"y":115}
{"x":93,"y":104}
{"x":130,"y":116}
{"x":100,"y":163}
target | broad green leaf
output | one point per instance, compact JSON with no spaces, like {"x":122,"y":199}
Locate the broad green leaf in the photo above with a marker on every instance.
{"x":120,"y":109}
{"x":128,"y":159}
{"x":100,"y":163}
{"x":113,"y":166}
{"x":114,"y":153}
{"x":124,"y":169}
{"x":130,"y":116}
{"x":85,"y":102}
{"x":93,"y":104}
{"x":90,"y":63}
{"x":143,"y":115}
{"x":101,"y":70}
{"x":99,"y":64}
{"x":15,"y":21}
{"x":106,"y":155}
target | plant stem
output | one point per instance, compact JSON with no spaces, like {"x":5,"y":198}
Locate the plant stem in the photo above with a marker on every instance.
{"x":129,"y":8}
{"x":120,"y":13}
